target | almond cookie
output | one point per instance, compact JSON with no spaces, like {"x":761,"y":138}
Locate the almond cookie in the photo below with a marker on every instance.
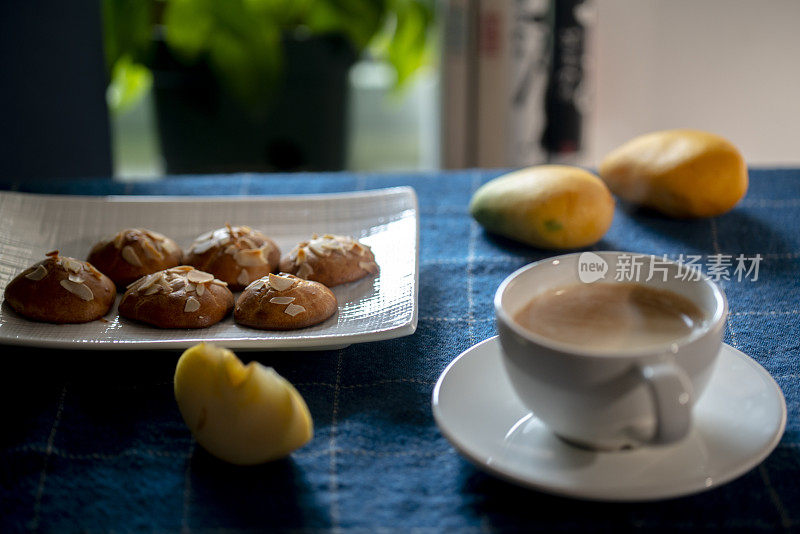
{"x":284,"y":302}
{"x":330,"y":260}
{"x":60,"y":289}
{"x":235,"y":254}
{"x":180,"y":297}
{"x":133,"y":253}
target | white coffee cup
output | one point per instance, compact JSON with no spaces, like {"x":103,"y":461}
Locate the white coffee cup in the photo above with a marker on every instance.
{"x":617,"y":399}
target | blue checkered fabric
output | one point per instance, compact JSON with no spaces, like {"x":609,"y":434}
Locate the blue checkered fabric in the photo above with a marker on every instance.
{"x":95,"y":442}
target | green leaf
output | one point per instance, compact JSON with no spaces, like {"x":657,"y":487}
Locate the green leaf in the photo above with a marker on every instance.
{"x":286,"y":14}
{"x":127,"y":30}
{"x":407,"y":46}
{"x":358,"y":20}
{"x":189,"y":26}
{"x":247,"y":69}
{"x":242,"y":39}
{"x":129,"y":83}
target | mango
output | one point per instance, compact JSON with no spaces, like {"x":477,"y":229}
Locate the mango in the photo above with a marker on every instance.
{"x":547,"y":206}
{"x":681,"y":173}
{"x":242,"y":414}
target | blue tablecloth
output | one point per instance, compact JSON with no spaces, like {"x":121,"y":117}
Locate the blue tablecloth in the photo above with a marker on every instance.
{"x":95,"y":442}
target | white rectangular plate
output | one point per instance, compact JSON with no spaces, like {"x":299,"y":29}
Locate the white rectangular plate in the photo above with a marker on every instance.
{"x":371,"y":309}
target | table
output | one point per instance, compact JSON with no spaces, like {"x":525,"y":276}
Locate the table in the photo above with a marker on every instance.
{"x":94,"y":441}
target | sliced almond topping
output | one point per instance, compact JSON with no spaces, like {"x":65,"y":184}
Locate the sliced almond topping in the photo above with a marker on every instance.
{"x":207,"y":235}
{"x":305,"y":271}
{"x":301,"y":256}
{"x":119,"y":239}
{"x":281,"y":300}
{"x":155,"y":288}
{"x":72,"y":265}
{"x":181,"y":269}
{"x":161,"y":277}
{"x":243,"y":278}
{"x":219,"y":282}
{"x":331,"y":244}
{"x":199,"y":277}
{"x":254,"y":285}
{"x":369,"y":266}
{"x":145,"y":283}
{"x":151,"y":251}
{"x":250,"y":257}
{"x":94,"y":272}
{"x":192,"y":305}
{"x":247,"y":242}
{"x":293,"y":309}
{"x":138,"y":284}
{"x":159,"y":239}
{"x":79,"y":290}
{"x":203,"y":243}
{"x":200,"y":289}
{"x":129,"y":255}
{"x":280,"y":283}
{"x":318,"y":249}
{"x":201,"y":248}
{"x":75,"y":278}
{"x":37,"y":274}
{"x":169,"y":245}
{"x":189,"y":287}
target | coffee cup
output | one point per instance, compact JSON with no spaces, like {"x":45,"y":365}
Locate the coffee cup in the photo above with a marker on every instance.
{"x":611,"y":385}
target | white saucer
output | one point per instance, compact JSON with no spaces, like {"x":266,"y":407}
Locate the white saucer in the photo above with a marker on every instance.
{"x":737,"y":422}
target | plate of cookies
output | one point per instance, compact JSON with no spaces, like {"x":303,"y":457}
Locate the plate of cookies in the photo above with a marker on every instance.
{"x":296,"y":272}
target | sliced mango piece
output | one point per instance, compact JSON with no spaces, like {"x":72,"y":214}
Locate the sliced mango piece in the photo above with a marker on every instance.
{"x":242,"y":414}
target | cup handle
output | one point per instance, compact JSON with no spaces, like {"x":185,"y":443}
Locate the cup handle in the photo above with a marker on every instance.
{"x":673,"y":397}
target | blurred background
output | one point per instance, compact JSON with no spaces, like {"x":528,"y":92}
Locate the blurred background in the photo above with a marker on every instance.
{"x":138,"y":89}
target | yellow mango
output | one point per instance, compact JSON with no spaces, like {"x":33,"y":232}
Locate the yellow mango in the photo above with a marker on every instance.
{"x":681,"y":173}
{"x":547,"y":206}
{"x":242,"y":414}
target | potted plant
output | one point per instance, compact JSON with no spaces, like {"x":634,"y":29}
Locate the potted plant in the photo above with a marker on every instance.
{"x":254,"y":85}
